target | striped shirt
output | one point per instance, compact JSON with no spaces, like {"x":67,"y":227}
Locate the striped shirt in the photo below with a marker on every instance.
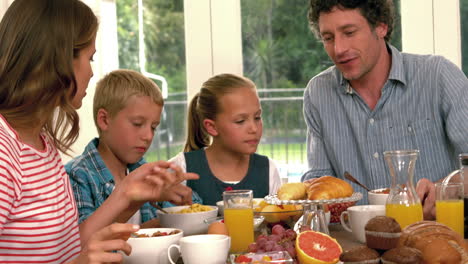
{"x":38,"y":216}
{"x":423,"y":105}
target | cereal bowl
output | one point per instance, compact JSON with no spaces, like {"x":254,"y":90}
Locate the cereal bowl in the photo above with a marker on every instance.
{"x":378,"y":196}
{"x":153,"y":249}
{"x":191,"y":223}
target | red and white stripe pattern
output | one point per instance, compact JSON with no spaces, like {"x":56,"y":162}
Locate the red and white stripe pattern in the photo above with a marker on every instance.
{"x":38,"y":215}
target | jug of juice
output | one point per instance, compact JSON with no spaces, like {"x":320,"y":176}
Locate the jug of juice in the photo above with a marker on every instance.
{"x":403,"y":203}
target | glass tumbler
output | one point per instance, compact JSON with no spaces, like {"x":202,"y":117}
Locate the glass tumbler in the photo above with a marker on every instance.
{"x":238,"y":217}
{"x":449,"y":205}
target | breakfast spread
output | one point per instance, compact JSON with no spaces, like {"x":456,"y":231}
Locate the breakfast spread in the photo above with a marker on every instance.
{"x":277,"y":257}
{"x":436,"y":242}
{"x":421,"y":242}
{"x":292,"y":191}
{"x":280,"y":239}
{"x":386,"y":241}
{"x":323,"y":188}
{"x":402,"y":255}
{"x":156,"y":234}
{"x":316,"y":247}
{"x":382,"y":232}
{"x":382,"y":191}
{"x":194,"y":208}
{"x":219,"y":228}
{"x":360,"y":254}
{"x":327,"y":187}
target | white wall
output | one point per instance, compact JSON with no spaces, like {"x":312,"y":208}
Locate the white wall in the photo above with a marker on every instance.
{"x":105,"y":60}
{"x":4,"y":5}
{"x":213,"y":40}
{"x":432,"y":27}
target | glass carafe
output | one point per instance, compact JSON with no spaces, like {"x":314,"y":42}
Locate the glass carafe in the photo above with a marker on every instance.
{"x":403,"y":203}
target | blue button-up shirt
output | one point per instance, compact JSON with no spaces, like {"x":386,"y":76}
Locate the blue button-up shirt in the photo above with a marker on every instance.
{"x":423,"y":105}
{"x":92,"y":183}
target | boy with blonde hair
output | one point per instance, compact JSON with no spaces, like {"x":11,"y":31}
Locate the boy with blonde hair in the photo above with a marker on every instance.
{"x":127,"y":110}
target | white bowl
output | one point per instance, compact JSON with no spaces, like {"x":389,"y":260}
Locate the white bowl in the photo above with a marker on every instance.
{"x":220,"y":205}
{"x":377,"y":197}
{"x":190,"y":223}
{"x":152,"y":249}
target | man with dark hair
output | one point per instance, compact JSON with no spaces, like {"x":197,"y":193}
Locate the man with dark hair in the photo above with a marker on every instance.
{"x":376,"y":98}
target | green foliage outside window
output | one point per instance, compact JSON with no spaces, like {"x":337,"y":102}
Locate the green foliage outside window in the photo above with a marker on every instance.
{"x":279,"y":52}
{"x":164,"y":39}
{"x":464,"y":34}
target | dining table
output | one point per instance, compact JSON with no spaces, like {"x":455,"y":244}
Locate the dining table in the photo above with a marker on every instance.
{"x":344,"y":238}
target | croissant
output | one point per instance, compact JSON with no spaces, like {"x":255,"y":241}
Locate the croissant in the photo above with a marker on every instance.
{"x":437,"y":242}
{"x":292,"y":191}
{"x":327,"y":187}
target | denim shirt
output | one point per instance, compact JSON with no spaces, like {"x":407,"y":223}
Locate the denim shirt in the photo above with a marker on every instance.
{"x":92,"y":183}
{"x":423,"y":105}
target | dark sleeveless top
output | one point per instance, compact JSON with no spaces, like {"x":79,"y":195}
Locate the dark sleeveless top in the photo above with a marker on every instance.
{"x":211,"y":188}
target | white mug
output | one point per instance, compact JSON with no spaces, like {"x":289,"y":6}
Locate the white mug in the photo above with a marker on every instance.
{"x":207,"y":249}
{"x":358,"y":216}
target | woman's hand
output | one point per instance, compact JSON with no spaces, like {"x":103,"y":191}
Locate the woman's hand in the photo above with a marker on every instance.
{"x":101,"y":245}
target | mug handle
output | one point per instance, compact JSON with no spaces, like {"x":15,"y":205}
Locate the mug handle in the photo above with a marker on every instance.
{"x":169,"y":252}
{"x":343,"y":223}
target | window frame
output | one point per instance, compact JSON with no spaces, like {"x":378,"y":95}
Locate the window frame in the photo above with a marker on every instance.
{"x":214,"y":41}
{"x":210,"y":42}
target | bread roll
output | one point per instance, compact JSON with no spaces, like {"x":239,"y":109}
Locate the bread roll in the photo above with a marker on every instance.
{"x":438,"y":243}
{"x":327,"y":187}
{"x":292,"y":191}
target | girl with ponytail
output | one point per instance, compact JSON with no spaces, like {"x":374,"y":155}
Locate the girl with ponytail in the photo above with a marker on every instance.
{"x":224,"y":130}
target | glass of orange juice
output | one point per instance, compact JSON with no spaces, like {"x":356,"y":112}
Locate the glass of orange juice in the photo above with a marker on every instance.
{"x":238,"y":217}
{"x":450,"y":205}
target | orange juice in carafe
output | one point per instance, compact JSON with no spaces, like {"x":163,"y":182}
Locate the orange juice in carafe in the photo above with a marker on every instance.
{"x":404,"y":214}
{"x":403,"y":203}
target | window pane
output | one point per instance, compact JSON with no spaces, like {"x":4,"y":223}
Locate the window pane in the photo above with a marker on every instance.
{"x":163,"y":23}
{"x":281,"y":54}
{"x":464,"y":34}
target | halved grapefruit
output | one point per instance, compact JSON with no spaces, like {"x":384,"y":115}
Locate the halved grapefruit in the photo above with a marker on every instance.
{"x":317,"y":248}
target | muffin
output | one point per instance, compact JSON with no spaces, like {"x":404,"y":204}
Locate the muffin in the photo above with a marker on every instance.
{"x":402,"y":255}
{"x":358,"y":255}
{"x":382,"y":233}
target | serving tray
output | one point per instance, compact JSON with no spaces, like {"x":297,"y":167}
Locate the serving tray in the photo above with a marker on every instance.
{"x":273,"y":199}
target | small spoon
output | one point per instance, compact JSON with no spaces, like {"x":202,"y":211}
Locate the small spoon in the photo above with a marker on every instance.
{"x":155,"y":205}
{"x":349,"y":177}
